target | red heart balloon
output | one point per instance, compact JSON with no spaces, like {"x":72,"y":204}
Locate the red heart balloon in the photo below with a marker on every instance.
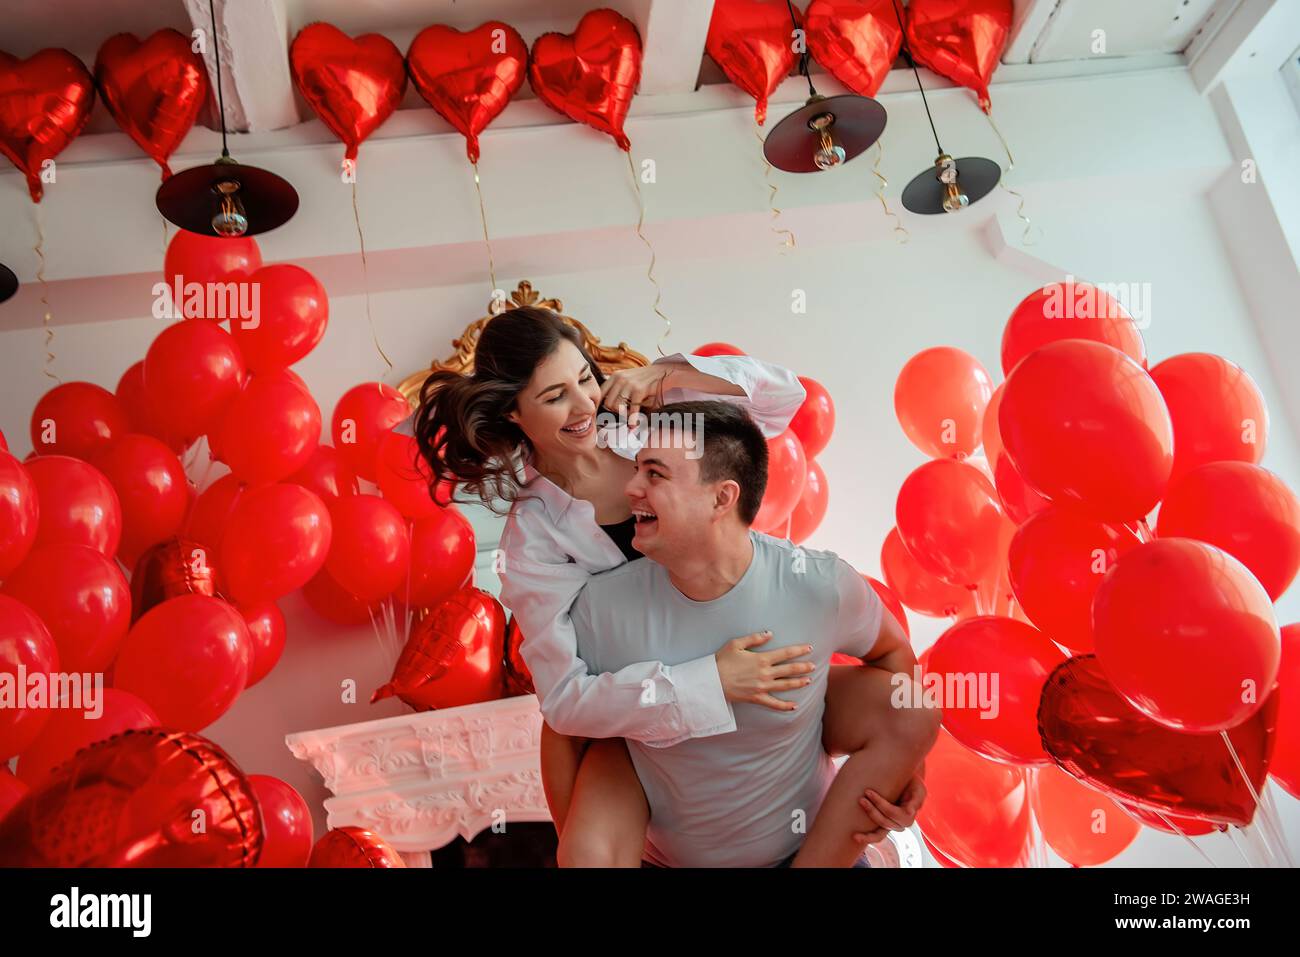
{"x":1093,"y":733}
{"x":960,"y":39}
{"x":154,"y":89}
{"x":352,"y":85}
{"x":752,"y":41}
{"x":45,"y":102}
{"x":468,"y":78}
{"x":591,"y":74}
{"x":353,"y":847}
{"x":129,"y":801}
{"x":455,"y":654}
{"x":856,"y":40}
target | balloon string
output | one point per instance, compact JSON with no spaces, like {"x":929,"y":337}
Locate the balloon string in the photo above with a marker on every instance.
{"x":1011,"y":165}
{"x":1266,"y":832}
{"x":771,"y":197}
{"x":1232,"y":836}
{"x":901,"y":234}
{"x":1181,"y":833}
{"x":650,"y":270}
{"x":1269,"y":810}
{"x":365,"y":281}
{"x":46,"y":314}
{"x":482,"y":215}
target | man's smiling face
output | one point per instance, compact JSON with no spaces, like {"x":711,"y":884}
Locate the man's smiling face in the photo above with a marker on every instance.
{"x":670,"y":504}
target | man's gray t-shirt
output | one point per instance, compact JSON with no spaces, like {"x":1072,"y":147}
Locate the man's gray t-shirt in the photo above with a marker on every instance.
{"x":745,"y":798}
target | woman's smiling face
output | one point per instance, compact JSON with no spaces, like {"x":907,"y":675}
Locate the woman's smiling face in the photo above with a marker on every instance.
{"x":556,"y":409}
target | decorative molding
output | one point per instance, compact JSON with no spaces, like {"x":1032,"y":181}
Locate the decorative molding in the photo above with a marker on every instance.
{"x":420,"y":780}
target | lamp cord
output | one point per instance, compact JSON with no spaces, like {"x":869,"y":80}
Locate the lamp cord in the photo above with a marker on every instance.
{"x":803,"y":56}
{"x":907,"y":52}
{"x":216,"y":50}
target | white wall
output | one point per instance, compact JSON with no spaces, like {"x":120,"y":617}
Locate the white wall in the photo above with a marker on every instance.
{"x":1120,"y":213}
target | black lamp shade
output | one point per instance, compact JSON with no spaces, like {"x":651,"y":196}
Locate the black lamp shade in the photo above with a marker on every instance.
{"x":794,"y":142}
{"x":189,"y":200}
{"x":8,"y":283}
{"x":976,"y":177}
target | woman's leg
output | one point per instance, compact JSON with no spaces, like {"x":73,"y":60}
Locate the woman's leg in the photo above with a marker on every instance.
{"x":607,"y":814}
{"x":560,"y":756}
{"x":885,"y":744}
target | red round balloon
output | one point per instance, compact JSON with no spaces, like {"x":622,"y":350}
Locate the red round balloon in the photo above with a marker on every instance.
{"x":131,"y":801}
{"x":990,"y":438}
{"x":591,"y":74}
{"x":1247,"y":511}
{"x":815,"y":420}
{"x":371,"y":548}
{"x":442,"y":557}
{"x":404,"y":478}
{"x":1081,"y":824}
{"x":192,"y":372}
{"x":77,"y":504}
{"x":917,"y":588}
{"x":335,"y":603}
{"x":327,"y":474}
{"x":468,"y":78}
{"x":717,"y":349}
{"x":81,"y":596}
{"x":891,"y":602}
{"x":976,"y":811}
{"x":1104,"y":445}
{"x":291,"y":315}
{"x":47,"y":100}
{"x":1286,"y":754}
{"x":154,"y":89}
{"x":939,"y":398}
{"x":1019,"y":501}
{"x":19,"y":513}
{"x":211,"y":512}
{"x":26,"y":651}
{"x":266,"y":637}
{"x":811,"y":508}
{"x":1185,"y":632}
{"x":1217,"y":410}
{"x":286,"y":823}
{"x":787,"y":471}
{"x":72,"y":728}
{"x":1011,"y":660}
{"x":188,"y":658}
{"x":151,"y":487}
{"x":271,"y":429}
{"x":1057,"y":561}
{"x":276,"y":539}
{"x":140,"y":414}
{"x":353,"y":85}
{"x":362,"y":417}
{"x":77,"y":419}
{"x":353,"y":847}
{"x":949,"y":518}
{"x":752,"y":43}
{"x":1075,"y":310}
{"x":12,"y":791}
{"x":962,"y":41}
{"x":209,"y":260}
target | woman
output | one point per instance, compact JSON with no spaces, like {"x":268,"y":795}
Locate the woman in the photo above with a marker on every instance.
{"x":532,"y":405}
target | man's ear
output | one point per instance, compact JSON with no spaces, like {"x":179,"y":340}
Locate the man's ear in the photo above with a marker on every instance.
{"x":727,"y":496}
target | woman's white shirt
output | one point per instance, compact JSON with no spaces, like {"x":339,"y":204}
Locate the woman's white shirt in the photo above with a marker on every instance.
{"x":552,"y":544}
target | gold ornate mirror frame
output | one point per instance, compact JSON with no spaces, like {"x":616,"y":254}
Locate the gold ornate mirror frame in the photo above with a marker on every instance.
{"x":608,"y":358}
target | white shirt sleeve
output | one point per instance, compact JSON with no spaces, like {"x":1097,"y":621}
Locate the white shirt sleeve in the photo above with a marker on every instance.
{"x":772,"y":396}
{"x":539,"y":589}
{"x":858,"y":618}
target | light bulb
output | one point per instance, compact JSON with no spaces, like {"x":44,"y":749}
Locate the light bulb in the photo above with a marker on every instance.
{"x":829,"y":156}
{"x":955,"y":199}
{"x":230,"y":219}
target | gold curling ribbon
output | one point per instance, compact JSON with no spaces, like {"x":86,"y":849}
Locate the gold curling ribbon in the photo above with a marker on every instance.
{"x":365,"y":281}
{"x":46,"y":314}
{"x":482,"y":215}
{"x":650,"y":270}
{"x":901,"y":234}
{"x":788,"y":241}
{"x":1011,"y":165}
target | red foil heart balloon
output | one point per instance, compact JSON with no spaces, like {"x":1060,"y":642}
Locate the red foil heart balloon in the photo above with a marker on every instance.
{"x":753,"y":42}
{"x":177,"y":566}
{"x":454,"y":656}
{"x":353,"y":847}
{"x":590,"y":75}
{"x":130,"y":801}
{"x":519,"y":680}
{"x":1093,"y":733}
{"x":45,"y":102}
{"x":352,"y":85}
{"x":468,"y":78}
{"x":960,"y":39}
{"x":856,"y":40}
{"x":154,"y":89}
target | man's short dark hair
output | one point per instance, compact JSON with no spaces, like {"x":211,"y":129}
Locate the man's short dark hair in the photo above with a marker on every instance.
{"x":732,"y":447}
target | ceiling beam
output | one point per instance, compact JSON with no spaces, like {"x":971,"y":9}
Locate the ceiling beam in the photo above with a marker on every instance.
{"x":1027,"y":25}
{"x":673,"y":45}
{"x":253,"y":37}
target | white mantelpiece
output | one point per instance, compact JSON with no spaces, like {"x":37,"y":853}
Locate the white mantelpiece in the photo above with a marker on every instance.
{"x":420,"y":780}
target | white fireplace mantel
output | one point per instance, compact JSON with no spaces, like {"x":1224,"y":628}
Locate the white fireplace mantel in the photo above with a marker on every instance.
{"x":420,"y":780}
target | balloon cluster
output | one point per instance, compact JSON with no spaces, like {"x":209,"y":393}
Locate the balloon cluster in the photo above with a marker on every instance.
{"x":1044,"y":548}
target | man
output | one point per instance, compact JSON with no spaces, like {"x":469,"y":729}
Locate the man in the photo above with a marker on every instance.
{"x":749,"y":798}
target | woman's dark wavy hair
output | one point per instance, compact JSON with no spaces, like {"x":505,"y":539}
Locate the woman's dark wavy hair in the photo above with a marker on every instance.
{"x":461,"y":426}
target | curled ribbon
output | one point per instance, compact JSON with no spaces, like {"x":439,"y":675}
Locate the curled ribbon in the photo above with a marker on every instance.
{"x":1011,"y":165}
{"x":46,"y":314}
{"x":650,"y":270}
{"x":901,"y":234}
{"x":365,"y":280}
{"x":771,"y":198}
